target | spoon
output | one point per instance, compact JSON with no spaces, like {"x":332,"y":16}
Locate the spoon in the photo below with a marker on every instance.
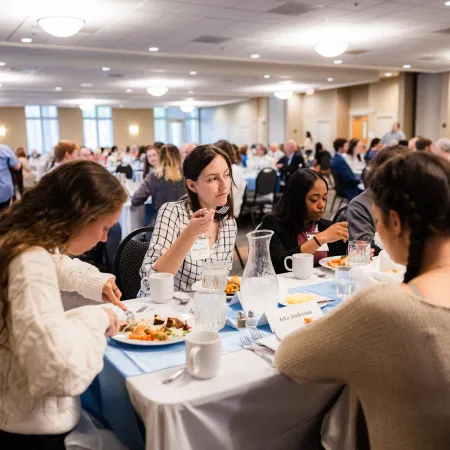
{"x":175,"y":376}
{"x":182,"y":298}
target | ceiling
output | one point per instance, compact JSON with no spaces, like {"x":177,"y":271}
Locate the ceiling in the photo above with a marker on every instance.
{"x":383,"y":36}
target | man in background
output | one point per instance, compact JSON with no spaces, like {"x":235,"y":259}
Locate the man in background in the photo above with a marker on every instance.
{"x":275,"y":151}
{"x":290,"y":162}
{"x":442,"y":148}
{"x":65,"y":151}
{"x":343,"y":175}
{"x":424,"y":144}
{"x":185,"y":149}
{"x":394,"y":136}
{"x":8,"y":161}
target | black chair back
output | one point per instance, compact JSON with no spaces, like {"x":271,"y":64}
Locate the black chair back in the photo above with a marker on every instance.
{"x":129,"y":258}
{"x":325,"y":162}
{"x":126,"y":169}
{"x":266,"y":182}
{"x":341,"y":215}
{"x":338,"y":184}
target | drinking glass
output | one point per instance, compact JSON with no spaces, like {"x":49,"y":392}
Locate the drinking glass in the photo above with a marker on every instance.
{"x":344,"y":282}
{"x":359,"y":253}
{"x":214,"y":276}
{"x":210,"y":310}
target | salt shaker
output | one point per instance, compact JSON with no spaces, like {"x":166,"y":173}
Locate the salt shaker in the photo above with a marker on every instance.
{"x":251,"y":319}
{"x":240,"y":320}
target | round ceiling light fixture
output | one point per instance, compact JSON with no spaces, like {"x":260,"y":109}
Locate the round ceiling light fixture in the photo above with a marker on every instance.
{"x":331,"y":49}
{"x":187,"y":108}
{"x":61,"y":26}
{"x":87,"y":107}
{"x":157,"y":91}
{"x":283,"y":95}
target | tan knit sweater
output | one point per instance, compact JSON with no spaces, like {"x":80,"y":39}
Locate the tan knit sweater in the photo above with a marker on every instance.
{"x":392,"y":349}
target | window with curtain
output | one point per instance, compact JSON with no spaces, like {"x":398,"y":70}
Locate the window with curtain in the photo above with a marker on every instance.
{"x":98,"y":127}
{"x":42,"y":127}
{"x":175,"y":126}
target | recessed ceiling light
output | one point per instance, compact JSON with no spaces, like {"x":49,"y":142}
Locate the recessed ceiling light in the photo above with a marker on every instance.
{"x":192,"y":72}
{"x":129,"y":90}
{"x":330,"y":79}
{"x":388,"y":74}
{"x":61,"y":26}
{"x":86,"y":85}
{"x":157,"y":91}
{"x":106,"y":69}
{"x":26,"y":40}
{"x":283,"y":95}
{"x":267,"y":76}
{"x":447,"y":3}
{"x":2,"y":64}
{"x":337,"y":61}
{"x":58,"y":88}
{"x":255,"y":56}
{"x":408,"y":66}
{"x":153,"y":49}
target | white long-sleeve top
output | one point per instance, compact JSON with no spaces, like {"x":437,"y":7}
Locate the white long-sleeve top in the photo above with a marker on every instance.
{"x":48,"y":357}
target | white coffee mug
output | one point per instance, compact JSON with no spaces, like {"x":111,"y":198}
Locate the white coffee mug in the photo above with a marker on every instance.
{"x":161,"y":286}
{"x":302,"y":265}
{"x":203,"y":354}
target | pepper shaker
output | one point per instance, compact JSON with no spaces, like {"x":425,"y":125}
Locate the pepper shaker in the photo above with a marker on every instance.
{"x":251,"y":319}
{"x":240,"y":320}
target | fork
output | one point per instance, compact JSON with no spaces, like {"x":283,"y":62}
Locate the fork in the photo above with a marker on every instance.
{"x":247,"y":344}
{"x":130,"y":315}
{"x":256,"y":335}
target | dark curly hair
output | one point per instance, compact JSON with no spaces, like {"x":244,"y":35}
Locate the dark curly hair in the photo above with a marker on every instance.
{"x":417,"y":187}
{"x":58,"y":207}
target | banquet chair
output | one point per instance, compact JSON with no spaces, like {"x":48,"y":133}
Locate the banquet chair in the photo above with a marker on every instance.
{"x":339,"y":192}
{"x":128,"y":261}
{"x":263,"y":195}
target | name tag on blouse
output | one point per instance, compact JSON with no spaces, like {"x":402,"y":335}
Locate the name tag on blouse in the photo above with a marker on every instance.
{"x":200,"y":249}
{"x":322,"y":248}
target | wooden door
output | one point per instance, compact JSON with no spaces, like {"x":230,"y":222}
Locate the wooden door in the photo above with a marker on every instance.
{"x":360,"y":127}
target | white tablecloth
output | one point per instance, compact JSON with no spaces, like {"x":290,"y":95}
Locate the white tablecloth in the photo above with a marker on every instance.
{"x":249,"y":405}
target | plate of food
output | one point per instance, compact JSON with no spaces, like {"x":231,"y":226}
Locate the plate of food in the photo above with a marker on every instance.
{"x":233,"y":286}
{"x":304,"y":297}
{"x":336,"y":261}
{"x":156,"y":329}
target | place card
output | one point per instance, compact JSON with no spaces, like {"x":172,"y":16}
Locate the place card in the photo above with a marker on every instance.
{"x":284,"y":321}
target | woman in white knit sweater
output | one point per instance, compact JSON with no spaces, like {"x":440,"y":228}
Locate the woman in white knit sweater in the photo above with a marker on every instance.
{"x":49,"y":357}
{"x":391,"y":344}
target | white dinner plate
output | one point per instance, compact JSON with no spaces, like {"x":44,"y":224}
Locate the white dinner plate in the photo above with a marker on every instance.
{"x":323,"y":262}
{"x":198,"y":286}
{"x":123,"y":336}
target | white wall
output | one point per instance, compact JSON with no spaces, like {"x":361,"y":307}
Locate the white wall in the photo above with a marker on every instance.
{"x":236,"y":123}
{"x":277,"y":119}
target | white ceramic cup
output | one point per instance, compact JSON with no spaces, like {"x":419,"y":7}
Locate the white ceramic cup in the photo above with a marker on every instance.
{"x":302,"y":265}
{"x":203,"y":354}
{"x":161,"y":286}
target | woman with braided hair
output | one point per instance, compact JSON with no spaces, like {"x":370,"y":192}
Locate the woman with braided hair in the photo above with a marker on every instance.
{"x":391,"y":344}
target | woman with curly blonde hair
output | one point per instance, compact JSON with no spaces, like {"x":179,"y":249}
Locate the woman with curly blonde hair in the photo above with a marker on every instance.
{"x":50,"y":357}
